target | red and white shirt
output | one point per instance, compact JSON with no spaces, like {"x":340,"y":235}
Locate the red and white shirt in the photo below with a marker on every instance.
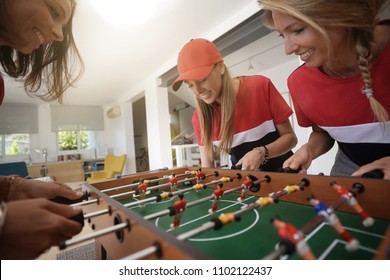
{"x":340,"y":108}
{"x":259,"y":107}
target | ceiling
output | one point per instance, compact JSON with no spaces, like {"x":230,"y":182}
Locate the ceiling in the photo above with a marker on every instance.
{"x":117,"y":58}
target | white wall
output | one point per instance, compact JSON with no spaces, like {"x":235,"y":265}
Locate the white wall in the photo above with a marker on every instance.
{"x":46,"y":138}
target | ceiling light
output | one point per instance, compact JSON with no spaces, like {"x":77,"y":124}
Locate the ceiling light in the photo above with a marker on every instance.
{"x":250,"y":68}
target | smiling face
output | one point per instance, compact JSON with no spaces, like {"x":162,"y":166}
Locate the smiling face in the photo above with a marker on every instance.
{"x":301,"y":39}
{"x":28,"y":24}
{"x":309,"y":44}
{"x":209,"y":89}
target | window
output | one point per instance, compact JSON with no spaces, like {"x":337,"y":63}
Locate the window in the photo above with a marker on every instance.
{"x":16,"y":144}
{"x":75,"y":140}
{"x":18,"y":124}
{"x":78,"y":127}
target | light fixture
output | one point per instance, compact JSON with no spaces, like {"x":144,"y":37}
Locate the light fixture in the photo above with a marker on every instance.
{"x":250,"y":68}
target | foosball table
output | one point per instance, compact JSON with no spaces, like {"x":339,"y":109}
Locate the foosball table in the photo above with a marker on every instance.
{"x":188,"y":213}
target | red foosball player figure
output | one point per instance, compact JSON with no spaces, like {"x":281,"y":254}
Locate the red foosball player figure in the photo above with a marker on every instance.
{"x":245,"y":187}
{"x":218,"y":194}
{"x":141,"y":190}
{"x":178,"y":207}
{"x":173,"y":182}
{"x":292,"y":239}
{"x":324,"y":210}
{"x":351,"y":200}
{"x":199,"y":175}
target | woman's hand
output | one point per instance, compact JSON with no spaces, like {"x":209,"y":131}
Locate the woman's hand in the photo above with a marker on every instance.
{"x":382,"y":164}
{"x":23,"y":189}
{"x":250,"y":161}
{"x":34,"y":225}
{"x":302,"y":158}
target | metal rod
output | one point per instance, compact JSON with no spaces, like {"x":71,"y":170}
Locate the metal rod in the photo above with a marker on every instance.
{"x":150,"y":181}
{"x":157,"y":214}
{"x":193,"y":203}
{"x":166,"y":212}
{"x":120,"y":187}
{"x":138,"y":202}
{"x":95,"y":214}
{"x":276,"y":254}
{"x":202,"y":228}
{"x":87,"y":202}
{"x":92,"y":235}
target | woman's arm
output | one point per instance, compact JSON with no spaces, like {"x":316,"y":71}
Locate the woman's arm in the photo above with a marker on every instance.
{"x":280,"y":146}
{"x":204,"y":158}
{"x":319,"y":143}
{"x":285,"y":142}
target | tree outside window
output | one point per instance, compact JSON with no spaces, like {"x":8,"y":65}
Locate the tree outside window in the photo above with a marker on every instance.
{"x":15,"y":144}
{"x":73,"y":140}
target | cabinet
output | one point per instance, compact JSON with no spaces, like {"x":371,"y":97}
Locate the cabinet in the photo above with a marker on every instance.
{"x":63,"y":171}
{"x":92,"y":165}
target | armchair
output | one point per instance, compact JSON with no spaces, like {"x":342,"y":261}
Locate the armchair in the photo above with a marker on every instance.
{"x":14,"y":168}
{"x":112,"y":165}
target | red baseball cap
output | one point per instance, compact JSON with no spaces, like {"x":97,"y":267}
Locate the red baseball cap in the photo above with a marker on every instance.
{"x":196,"y":60}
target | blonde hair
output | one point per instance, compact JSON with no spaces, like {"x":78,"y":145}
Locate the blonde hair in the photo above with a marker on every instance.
{"x":225,"y":121}
{"x":360,"y":21}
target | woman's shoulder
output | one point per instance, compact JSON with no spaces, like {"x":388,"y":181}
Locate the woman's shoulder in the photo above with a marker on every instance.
{"x":301,"y":70}
{"x":255,"y":79}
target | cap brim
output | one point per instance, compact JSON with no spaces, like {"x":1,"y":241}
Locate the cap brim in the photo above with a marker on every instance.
{"x":197,"y":74}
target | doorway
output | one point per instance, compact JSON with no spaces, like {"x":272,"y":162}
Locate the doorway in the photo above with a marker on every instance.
{"x":140,"y":135}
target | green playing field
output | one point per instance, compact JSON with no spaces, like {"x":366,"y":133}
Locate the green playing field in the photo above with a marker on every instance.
{"x":254,"y":237}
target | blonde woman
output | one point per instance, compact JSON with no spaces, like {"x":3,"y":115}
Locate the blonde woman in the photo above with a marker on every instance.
{"x":342,"y":89}
{"x":245,"y":117}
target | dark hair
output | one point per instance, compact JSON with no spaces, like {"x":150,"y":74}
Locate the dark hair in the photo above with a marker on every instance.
{"x":48,"y":65}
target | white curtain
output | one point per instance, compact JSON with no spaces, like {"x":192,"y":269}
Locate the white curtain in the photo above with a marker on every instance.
{"x":71,"y":118}
{"x":18,"y":118}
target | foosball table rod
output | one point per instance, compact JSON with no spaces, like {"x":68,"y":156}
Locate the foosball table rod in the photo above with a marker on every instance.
{"x":227,"y":218}
{"x":195,"y":187}
{"x":93,"y":235}
{"x":136,"y":184}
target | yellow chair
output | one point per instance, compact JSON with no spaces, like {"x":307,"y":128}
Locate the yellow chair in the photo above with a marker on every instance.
{"x":112,"y":165}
